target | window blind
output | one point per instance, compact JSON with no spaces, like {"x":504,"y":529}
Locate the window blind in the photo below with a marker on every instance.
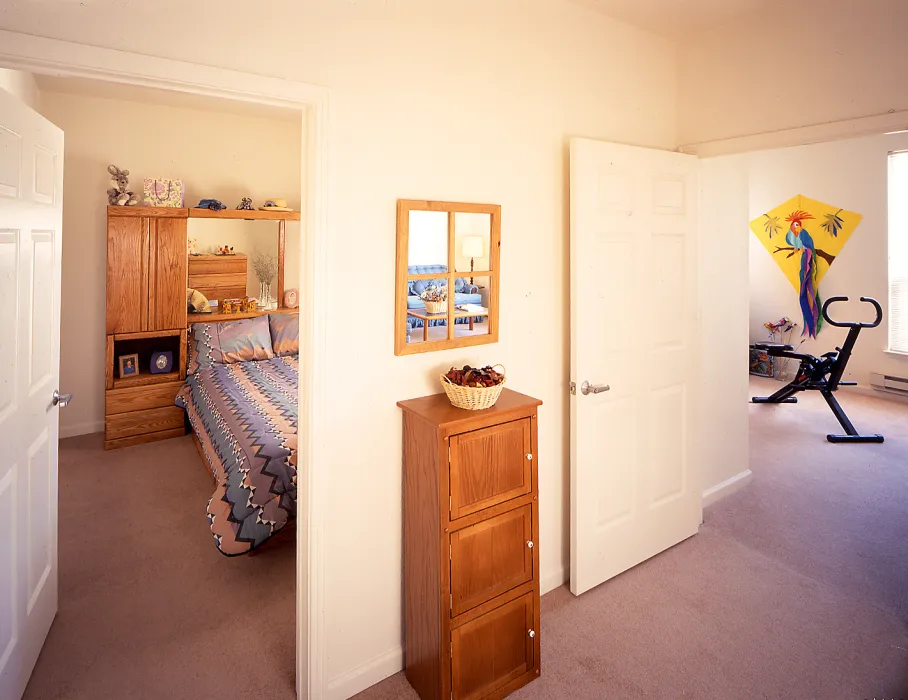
{"x":898,"y":251}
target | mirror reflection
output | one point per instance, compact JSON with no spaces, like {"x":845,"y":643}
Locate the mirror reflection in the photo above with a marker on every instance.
{"x":472,"y":238}
{"x":428,"y":245}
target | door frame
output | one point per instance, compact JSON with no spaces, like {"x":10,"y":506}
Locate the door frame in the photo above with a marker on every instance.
{"x":44,"y":56}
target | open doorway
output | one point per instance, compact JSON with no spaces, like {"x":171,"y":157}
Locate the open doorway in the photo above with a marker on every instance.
{"x":98,"y":116}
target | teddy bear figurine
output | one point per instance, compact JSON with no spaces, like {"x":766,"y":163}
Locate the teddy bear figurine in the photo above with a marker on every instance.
{"x":117,"y":194}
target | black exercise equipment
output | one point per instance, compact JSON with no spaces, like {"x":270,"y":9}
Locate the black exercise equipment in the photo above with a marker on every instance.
{"x":823,"y":374}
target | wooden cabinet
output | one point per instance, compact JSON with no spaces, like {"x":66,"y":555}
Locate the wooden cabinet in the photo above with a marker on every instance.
{"x":219,"y":276}
{"x":146,"y":312}
{"x":146,"y":269}
{"x":471,"y":560}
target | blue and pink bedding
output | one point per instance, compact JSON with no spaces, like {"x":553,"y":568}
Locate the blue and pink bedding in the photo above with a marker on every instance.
{"x":245,"y":417}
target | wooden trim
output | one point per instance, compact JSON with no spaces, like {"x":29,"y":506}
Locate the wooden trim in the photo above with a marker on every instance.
{"x":400,"y":278}
{"x":146,"y":255}
{"x":149,"y":212}
{"x":218,"y":317}
{"x":146,"y":379}
{"x":142,"y":439}
{"x":465,"y":207}
{"x":109,"y":368}
{"x":248,"y":215}
{"x":451,"y":294}
{"x":184,"y":352}
{"x":281,"y":242}
{"x":145,"y":334}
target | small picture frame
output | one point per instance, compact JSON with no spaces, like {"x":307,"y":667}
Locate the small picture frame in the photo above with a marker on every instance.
{"x":761,"y":364}
{"x":129,"y":365}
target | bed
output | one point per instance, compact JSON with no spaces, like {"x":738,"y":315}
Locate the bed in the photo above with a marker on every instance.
{"x":240,"y":397}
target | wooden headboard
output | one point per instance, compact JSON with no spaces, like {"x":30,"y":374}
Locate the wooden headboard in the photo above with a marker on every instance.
{"x":218,"y":276}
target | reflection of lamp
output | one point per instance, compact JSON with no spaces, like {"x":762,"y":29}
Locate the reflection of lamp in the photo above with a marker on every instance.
{"x":471,"y":247}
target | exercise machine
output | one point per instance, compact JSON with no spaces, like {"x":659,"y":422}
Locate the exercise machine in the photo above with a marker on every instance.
{"x":823,"y":374}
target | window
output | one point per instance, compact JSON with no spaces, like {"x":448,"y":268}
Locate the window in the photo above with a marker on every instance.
{"x":898,"y":252}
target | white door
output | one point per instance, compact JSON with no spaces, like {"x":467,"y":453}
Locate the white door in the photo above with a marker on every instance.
{"x":634,"y":491}
{"x":31,"y":206}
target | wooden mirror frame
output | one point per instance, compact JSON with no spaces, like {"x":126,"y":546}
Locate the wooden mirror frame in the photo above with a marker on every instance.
{"x":404,"y":207}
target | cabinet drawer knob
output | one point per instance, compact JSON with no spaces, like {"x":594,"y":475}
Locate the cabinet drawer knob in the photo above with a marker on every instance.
{"x":530,"y":544}
{"x":530,"y":455}
{"x":532,"y":633}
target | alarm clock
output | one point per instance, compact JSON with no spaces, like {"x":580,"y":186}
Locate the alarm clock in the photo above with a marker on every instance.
{"x":161,"y":362}
{"x":291,"y":299}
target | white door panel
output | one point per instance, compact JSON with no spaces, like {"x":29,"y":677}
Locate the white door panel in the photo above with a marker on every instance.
{"x":31,"y":197}
{"x":633,"y":328}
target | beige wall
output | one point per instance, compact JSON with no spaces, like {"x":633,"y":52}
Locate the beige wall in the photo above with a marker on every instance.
{"x":797,"y":64}
{"x":219,"y":155}
{"x":21,"y":85}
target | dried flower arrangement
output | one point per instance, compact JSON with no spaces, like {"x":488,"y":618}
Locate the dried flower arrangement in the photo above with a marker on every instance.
{"x":265,"y":266}
{"x":435,"y":299}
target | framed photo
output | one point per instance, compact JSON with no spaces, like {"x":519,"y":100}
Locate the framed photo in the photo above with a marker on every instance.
{"x":129,"y":365}
{"x":761,"y":363}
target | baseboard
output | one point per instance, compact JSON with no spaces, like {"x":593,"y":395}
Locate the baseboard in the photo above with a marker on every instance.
{"x":726,"y":488}
{"x":870,"y":391}
{"x":68,"y":431}
{"x":554,"y":580}
{"x":365,"y":675}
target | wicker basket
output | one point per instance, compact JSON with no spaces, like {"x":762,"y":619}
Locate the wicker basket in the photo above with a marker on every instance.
{"x":436,"y":307}
{"x":470,"y":397}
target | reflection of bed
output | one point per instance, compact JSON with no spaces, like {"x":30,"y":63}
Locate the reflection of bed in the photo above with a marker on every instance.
{"x":244,"y":416}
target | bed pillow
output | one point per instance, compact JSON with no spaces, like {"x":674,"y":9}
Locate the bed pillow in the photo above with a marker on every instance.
{"x":285,"y":334}
{"x":229,"y":342}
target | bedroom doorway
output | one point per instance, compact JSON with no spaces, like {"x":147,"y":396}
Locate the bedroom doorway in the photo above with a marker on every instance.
{"x":55,"y":58}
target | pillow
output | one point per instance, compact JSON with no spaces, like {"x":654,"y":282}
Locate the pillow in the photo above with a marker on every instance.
{"x":229,"y":342}
{"x":285,"y":334}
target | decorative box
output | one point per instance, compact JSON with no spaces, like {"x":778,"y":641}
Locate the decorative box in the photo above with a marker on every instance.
{"x":231,"y":306}
{"x":250,"y":304}
{"x":164,"y":192}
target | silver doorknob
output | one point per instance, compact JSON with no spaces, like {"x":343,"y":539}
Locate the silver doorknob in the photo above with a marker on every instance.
{"x":532,"y":633}
{"x":530,"y":544}
{"x":61,"y":400}
{"x":530,"y":456}
{"x":587,"y":388}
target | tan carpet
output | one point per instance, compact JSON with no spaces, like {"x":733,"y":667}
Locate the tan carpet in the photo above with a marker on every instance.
{"x":149,"y":609}
{"x":796,"y":587}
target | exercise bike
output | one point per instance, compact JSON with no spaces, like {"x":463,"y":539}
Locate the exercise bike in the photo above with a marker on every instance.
{"x":823,"y":374}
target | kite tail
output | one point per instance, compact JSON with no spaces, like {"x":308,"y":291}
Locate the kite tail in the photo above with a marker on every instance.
{"x":809,"y":297}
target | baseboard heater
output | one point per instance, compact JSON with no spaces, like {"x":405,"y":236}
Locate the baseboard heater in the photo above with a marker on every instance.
{"x":885,"y":382}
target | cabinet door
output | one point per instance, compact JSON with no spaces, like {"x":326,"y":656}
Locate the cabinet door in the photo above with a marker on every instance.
{"x":169,"y":262}
{"x":490,"y":466}
{"x":127,"y":274}
{"x":490,"y":558}
{"x":493,"y":650}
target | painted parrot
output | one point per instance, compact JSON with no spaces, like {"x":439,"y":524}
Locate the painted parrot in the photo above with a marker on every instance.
{"x":799,"y":239}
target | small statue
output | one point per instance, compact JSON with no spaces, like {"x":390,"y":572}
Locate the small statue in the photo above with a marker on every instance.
{"x":225,"y":250}
{"x":213,"y":204}
{"x":118,"y":194}
{"x":245,"y":204}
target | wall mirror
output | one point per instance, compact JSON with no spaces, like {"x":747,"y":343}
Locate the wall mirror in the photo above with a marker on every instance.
{"x":447,"y":281}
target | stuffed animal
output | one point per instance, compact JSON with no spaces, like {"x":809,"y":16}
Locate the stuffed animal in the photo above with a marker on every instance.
{"x":197,"y":302}
{"x":118,"y":193}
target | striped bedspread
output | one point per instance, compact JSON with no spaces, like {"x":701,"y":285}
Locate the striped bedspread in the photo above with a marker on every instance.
{"x":245,"y":416}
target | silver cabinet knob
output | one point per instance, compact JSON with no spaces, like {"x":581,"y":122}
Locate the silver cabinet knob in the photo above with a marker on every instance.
{"x":530,"y":456}
{"x":61,"y":400}
{"x":529,"y":544}
{"x":532,"y":633}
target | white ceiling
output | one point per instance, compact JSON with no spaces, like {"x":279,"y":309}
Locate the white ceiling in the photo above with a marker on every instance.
{"x":133,"y":93}
{"x":675,"y":18}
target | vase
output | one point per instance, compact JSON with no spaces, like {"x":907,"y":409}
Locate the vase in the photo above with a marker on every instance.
{"x":265,"y":299}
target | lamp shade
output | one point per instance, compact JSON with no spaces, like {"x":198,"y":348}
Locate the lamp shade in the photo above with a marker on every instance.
{"x":471,"y":247}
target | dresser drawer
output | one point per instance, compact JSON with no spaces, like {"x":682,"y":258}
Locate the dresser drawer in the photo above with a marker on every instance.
{"x":490,"y":558}
{"x":152,"y":420}
{"x":490,"y":466}
{"x":137,"y":398}
{"x":494,"y":649}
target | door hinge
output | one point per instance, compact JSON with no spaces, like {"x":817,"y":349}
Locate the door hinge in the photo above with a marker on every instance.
{"x":573,"y":388}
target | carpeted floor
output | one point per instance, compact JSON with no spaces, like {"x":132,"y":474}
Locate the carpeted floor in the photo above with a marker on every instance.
{"x":795,"y":587}
{"x":148,"y":607}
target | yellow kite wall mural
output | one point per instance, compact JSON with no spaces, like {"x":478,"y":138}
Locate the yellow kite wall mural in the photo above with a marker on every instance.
{"x":804,"y":237}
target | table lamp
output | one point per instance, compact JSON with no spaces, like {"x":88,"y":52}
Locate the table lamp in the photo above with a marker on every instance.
{"x":472,"y":247}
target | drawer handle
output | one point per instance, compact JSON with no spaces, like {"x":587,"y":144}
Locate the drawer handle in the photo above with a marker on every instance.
{"x":530,"y":544}
{"x":530,"y":456}
{"x":532,"y":633}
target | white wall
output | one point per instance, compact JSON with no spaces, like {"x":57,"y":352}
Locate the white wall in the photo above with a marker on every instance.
{"x":851,"y":174}
{"x":467,"y":101}
{"x":219,"y":155}
{"x":21,"y":85}
{"x":793,"y":64}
